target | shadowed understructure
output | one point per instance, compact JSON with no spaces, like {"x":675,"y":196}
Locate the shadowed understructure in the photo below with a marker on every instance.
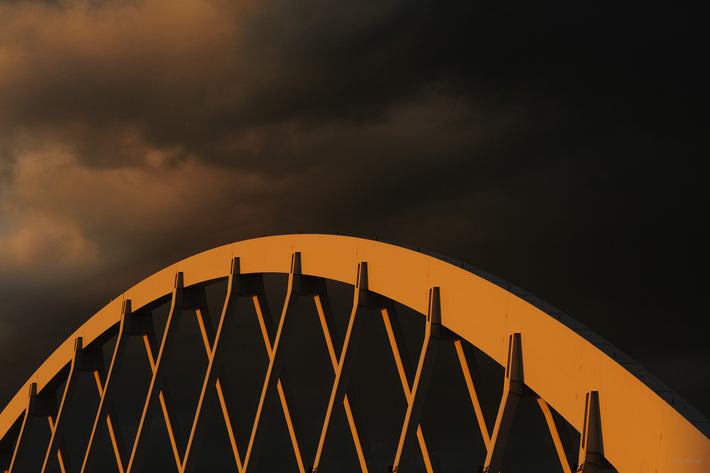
{"x":379,"y":358}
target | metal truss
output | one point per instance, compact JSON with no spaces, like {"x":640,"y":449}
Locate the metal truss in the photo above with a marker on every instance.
{"x":597,"y":405}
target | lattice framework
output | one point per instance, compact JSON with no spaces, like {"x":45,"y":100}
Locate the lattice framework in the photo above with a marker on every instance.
{"x":183,"y":299}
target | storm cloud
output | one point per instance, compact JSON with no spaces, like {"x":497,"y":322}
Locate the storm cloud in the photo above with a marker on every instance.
{"x":554,"y":145}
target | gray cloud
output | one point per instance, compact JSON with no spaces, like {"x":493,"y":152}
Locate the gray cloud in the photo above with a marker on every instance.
{"x":553,"y":145}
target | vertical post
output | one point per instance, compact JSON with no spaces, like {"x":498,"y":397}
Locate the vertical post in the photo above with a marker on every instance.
{"x":512,"y":393}
{"x":263,"y":315}
{"x":337,"y":393}
{"x":272,"y":373}
{"x":56,"y":437}
{"x":399,"y":352}
{"x":164,"y":399}
{"x":105,"y":402}
{"x":591,"y":446}
{"x":158,"y":373}
{"x":210,"y":375}
{"x":422,"y":378}
{"x":328,"y":326}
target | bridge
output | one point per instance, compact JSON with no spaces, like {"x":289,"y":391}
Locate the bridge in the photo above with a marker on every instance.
{"x":380,"y":358}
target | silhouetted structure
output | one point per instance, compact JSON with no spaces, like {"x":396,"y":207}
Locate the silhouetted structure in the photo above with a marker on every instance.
{"x":212,"y":386}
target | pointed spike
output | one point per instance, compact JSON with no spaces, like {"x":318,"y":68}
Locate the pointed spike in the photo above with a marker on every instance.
{"x":126,"y":307}
{"x":362,"y":282}
{"x":179,"y":280}
{"x":434,"y":315}
{"x":235,"y":266}
{"x":514,"y":370}
{"x":296,"y":263}
{"x":591,"y":448}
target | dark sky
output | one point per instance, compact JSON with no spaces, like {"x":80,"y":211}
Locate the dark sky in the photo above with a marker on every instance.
{"x":556,"y":145}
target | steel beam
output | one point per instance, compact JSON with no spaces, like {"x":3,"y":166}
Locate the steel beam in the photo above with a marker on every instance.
{"x":563,"y":361}
{"x":327,"y":325}
{"x":211,"y":377}
{"x":271,"y":380}
{"x":415,"y":401}
{"x":337,"y":394}
{"x":512,"y":393}
{"x":157,"y":381}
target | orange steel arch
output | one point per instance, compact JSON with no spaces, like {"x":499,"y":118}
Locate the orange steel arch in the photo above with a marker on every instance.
{"x":620,"y":409}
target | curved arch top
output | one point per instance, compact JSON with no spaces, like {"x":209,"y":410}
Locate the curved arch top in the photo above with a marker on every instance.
{"x":562,"y":360}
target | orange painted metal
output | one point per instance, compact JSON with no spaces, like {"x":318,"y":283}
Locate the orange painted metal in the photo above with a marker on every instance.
{"x":642,"y":432}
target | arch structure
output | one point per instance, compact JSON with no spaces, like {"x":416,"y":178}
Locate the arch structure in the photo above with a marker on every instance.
{"x":627,"y":421}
